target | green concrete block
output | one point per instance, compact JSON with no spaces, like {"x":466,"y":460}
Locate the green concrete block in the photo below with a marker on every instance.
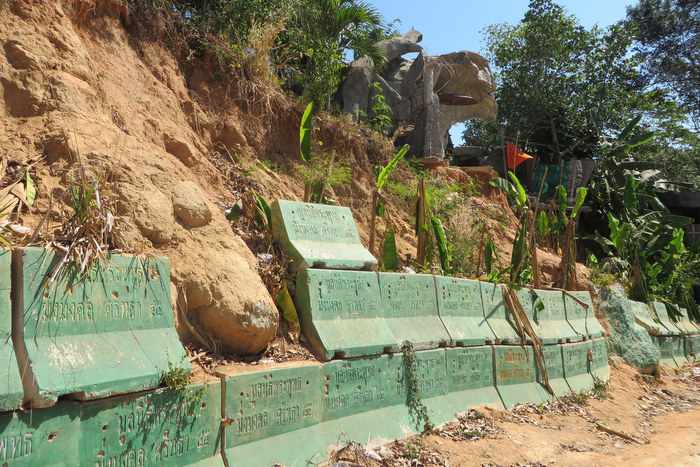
{"x":575,"y":312}
{"x":300,"y":448}
{"x":664,"y":318}
{"x":363,"y":400}
{"x":577,"y":365}
{"x":43,"y":437}
{"x":692,"y":345}
{"x":582,"y":318}
{"x":497,"y":314}
{"x":684,"y":324}
{"x":409,"y":304}
{"x":545,"y":308}
{"x":431,"y":372}
{"x":645,"y":316}
{"x":356,"y":386}
{"x":553,"y":361}
{"x":600,"y":368}
{"x":164,"y":427}
{"x":109,"y":333}
{"x":667,"y":347}
{"x":319,"y":236}
{"x":516,"y":380}
{"x":470,"y":380}
{"x":273,"y":416}
{"x":267,"y":403}
{"x":461,"y":310}
{"x":341,"y":313}
{"x":11,"y":392}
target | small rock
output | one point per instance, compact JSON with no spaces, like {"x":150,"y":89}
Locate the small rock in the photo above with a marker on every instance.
{"x":264,"y":258}
{"x":154,"y":217}
{"x":385,"y":452}
{"x":373,"y":455}
{"x":180,"y":149}
{"x":231,"y":135}
{"x":190,"y":205}
{"x":19,"y":57}
{"x":58,"y":145}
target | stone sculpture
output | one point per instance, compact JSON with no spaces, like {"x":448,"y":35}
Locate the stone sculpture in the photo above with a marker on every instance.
{"x":428,"y":93}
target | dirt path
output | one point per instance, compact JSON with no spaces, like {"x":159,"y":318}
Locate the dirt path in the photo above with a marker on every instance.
{"x":663,"y":416}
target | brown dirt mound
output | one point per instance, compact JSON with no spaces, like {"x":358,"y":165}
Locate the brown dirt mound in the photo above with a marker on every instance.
{"x":174,"y":145}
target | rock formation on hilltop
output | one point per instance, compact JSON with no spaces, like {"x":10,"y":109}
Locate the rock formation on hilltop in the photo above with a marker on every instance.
{"x":429,"y":93}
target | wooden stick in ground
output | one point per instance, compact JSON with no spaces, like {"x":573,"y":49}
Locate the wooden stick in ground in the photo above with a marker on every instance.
{"x":533,"y":233}
{"x":620,"y":434}
{"x":420,"y":223}
{"x":373,"y":221}
{"x":534,"y":259}
{"x":525,"y":329}
{"x":568,"y":259}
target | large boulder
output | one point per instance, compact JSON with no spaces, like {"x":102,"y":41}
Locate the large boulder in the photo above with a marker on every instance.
{"x":462,"y":89}
{"x":628,"y":339}
{"x":190,"y":205}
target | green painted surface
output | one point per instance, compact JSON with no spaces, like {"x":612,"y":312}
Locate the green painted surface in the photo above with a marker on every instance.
{"x":304,"y":447}
{"x":664,"y":318}
{"x":11,"y":392}
{"x":600,"y":368}
{"x":109,"y":333}
{"x":431,"y":372}
{"x":577,"y":366}
{"x":555,"y":370}
{"x":666,"y":345}
{"x":582,"y":318}
{"x":497,"y":314}
{"x":319,"y":236}
{"x":341,"y":314}
{"x":163,"y":427}
{"x":645,"y":316}
{"x":470,"y":378}
{"x":545,"y":308}
{"x":267,"y":403}
{"x":409,"y":303}
{"x":42,"y":437}
{"x":684,"y":323}
{"x":274,"y":417}
{"x":693,"y":346}
{"x":515,"y":376}
{"x":461,"y":310}
{"x":362,"y":399}
{"x":366,"y":399}
{"x":356,"y":386}
{"x":679,"y":350}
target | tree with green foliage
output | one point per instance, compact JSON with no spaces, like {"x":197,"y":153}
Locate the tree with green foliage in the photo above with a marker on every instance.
{"x":563,"y":88}
{"x":317,"y":36}
{"x":311,"y":37}
{"x":667,"y":34}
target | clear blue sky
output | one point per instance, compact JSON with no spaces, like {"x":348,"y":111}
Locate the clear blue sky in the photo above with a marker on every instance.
{"x":453,"y":25}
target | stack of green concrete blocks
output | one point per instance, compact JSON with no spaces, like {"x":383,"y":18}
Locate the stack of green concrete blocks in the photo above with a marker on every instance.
{"x":356,"y":321}
{"x":678,"y":340}
{"x":83,"y":361}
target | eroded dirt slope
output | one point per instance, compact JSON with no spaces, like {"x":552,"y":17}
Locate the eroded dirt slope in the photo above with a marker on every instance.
{"x":173,"y":145}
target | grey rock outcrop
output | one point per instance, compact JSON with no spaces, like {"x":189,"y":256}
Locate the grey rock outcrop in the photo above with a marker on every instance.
{"x":628,"y":339}
{"x":429,"y":93}
{"x":397,"y":47}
